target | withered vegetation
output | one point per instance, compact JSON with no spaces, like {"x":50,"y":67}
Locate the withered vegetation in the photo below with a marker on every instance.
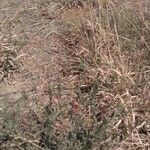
{"x":74,"y":75}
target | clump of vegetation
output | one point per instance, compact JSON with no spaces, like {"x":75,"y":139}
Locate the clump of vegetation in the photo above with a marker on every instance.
{"x":101,"y":97}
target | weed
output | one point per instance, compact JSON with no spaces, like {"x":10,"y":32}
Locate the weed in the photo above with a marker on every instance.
{"x":92,"y":89}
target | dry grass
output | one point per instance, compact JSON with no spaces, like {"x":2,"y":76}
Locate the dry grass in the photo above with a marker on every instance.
{"x":75,"y":75}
